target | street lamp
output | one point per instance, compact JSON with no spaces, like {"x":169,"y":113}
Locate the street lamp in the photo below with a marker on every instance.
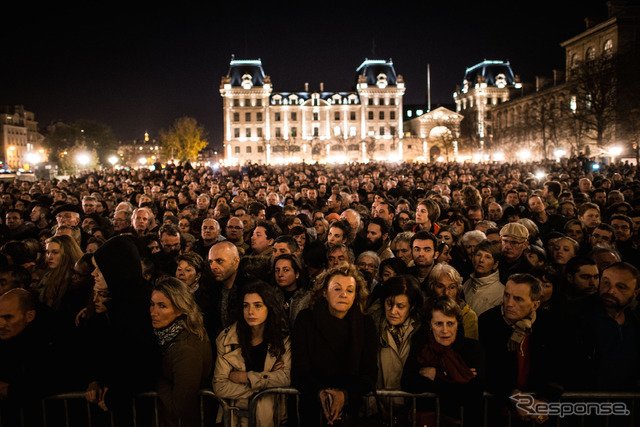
{"x":113,"y":160}
{"x":614,"y":152}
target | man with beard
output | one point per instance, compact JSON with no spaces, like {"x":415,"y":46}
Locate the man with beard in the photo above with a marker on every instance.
{"x":171,"y":244}
{"x":603,"y":336}
{"x":583,"y":277}
{"x":378,"y":238}
{"x":424,"y":246}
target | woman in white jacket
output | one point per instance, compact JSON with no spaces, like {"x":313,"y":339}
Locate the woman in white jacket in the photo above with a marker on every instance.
{"x":254,"y":353}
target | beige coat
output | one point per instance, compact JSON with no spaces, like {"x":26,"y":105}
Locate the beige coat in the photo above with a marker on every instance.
{"x":230,"y":359}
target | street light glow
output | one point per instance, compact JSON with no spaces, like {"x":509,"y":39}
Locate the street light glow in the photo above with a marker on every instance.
{"x":83,"y":159}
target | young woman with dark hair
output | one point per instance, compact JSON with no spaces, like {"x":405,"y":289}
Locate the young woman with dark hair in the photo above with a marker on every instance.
{"x":254,"y":353}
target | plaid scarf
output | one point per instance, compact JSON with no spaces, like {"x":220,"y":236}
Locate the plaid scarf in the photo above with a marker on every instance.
{"x":520,"y":329}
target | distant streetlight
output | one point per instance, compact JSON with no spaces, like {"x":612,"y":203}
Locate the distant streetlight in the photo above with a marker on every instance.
{"x":113,"y":160}
{"x":83,"y":159}
{"x":614,"y":152}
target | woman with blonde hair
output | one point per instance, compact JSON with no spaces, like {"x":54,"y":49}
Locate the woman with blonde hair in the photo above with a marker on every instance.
{"x":334,"y":348}
{"x":445,"y":280}
{"x":61,"y":254}
{"x":187,"y":358}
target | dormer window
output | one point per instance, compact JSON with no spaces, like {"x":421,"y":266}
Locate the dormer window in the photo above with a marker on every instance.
{"x":382,"y":80}
{"x":501,"y":81}
{"x":247,"y":81}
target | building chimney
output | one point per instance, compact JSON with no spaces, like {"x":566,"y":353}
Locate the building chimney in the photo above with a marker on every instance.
{"x":306,"y":87}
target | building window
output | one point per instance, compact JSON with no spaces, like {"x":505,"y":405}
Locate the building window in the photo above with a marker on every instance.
{"x":392,"y":115}
{"x":259,"y":131}
{"x":316,"y":116}
{"x":236,"y":102}
{"x":608,"y":47}
{"x":247,"y":117}
{"x":248,"y":132}
{"x":392,"y":101}
{"x":277,"y":117}
{"x":259,"y":116}
{"x":336,"y":115}
{"x":294,"y":116}
{"x":591,"y":54}
{"x":392,"y":130}
{"x":247,"y":103}
{"x":260,"y":150}
{"x":316,"y":131}
{"x":278,"y":133}
{"x":294,"y":131}
{"x":381,"y":115}
{"x":237,"y":150}
{"x":352,"y":116}
{"x":381,"y":130}
{"x":236,"y":133}
{"x":352,"y":131}
{"x":248,"y":150}
{"x":258,"y":102}
{"x":236,"y":117}
{"x":370,"y":101}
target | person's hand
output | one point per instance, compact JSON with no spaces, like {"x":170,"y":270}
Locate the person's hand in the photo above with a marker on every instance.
{"x":94,"y":392}
{"x":239,"y":377}
{"x":278,"y":365}
{"x":101,"y":403}
{"x":332,"y":404}
{"x":81,"y":315}
{"x":428,"y":372}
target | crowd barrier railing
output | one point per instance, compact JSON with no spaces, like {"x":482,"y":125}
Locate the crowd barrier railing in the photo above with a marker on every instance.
{"x":572,"y":409}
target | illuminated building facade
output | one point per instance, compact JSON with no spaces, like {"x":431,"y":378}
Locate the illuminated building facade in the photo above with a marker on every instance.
{"x":485,"y":85}
{"x":267,"y":127}
{"x":588,"y":107}
{"x":21,"y":142}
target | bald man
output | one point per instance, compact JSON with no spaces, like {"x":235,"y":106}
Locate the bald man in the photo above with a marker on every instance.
{"x":25,"y":356}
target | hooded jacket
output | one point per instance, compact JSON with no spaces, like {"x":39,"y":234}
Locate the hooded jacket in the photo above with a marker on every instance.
{"x":132,"y":355}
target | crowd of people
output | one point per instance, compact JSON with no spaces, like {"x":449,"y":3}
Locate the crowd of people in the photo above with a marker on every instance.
{"x":337,"y":280}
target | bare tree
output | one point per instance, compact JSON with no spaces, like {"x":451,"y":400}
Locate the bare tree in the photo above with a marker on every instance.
{"x":594,"y":85}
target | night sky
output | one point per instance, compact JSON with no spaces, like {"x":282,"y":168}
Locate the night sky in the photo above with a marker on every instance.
{"x":138,"y":70}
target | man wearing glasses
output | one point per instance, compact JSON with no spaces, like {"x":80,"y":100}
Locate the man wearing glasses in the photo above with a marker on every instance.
{"x":234,"y":232}
{"x":515,"y":239}
{"x":623,"y":230}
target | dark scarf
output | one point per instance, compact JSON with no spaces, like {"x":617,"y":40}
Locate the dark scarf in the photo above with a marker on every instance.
{"x":338,"y":332}
{"x":167,"y":335}
{"x":450,"y":367}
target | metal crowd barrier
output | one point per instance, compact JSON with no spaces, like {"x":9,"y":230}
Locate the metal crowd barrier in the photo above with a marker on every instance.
{"x":381,"y":394}
{"x":572,"y":409}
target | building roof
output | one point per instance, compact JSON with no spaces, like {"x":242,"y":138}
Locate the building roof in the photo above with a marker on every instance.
{"x":491,"y":71}
{"x":252,"y":67}
{"x":372,"y":68}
